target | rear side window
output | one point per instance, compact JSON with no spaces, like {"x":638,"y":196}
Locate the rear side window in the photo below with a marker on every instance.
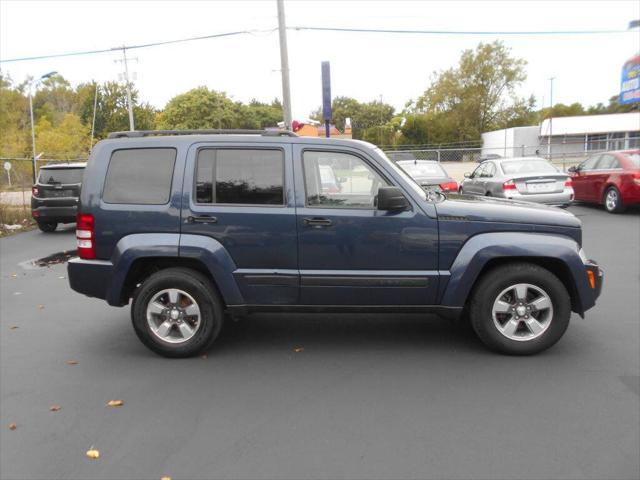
{"x":65,"y":176}
{"x":240,"y":177}
{"x":140,"y":176}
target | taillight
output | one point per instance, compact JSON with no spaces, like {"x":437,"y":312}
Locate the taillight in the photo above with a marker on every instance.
{"x":34,"y":191}
{"x":85,"y":236}
{"x":449,"y":186}
{"x":568,"y":183}
{"x":509,"y":185}
{"x":636,"y":178}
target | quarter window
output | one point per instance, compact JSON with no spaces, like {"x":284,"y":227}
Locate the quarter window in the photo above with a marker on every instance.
{"x":140,"y":176}
{"x":340,"y":180}
{"x":240,"y":176}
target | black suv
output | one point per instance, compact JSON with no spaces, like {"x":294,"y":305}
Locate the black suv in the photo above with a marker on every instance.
{"x":55,"y":196}
{"x":191,"y":226}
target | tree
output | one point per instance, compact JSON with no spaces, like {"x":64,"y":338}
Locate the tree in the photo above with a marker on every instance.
{"x":363,"y":115}
{"x":200,"y":108}
{"x":479,"y":94}
{"x":68,"y":141}
{"x":14,"y":120}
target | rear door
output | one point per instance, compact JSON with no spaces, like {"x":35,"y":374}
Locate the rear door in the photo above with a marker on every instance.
{"x":350,"y":253}
{"x":243,"y":197}
{"x":607,"y":166}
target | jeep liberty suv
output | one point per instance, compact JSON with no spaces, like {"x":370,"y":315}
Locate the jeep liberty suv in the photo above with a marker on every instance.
{"x":194,"y":226}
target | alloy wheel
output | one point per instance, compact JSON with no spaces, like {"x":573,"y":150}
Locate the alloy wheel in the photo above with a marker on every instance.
{"x":522,"y":312}
{"x":173,"y":316}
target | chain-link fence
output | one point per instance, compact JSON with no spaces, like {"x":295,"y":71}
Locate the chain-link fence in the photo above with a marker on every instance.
{"x":563,"y":154}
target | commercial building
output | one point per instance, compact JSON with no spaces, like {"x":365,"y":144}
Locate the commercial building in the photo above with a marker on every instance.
{"x":567,"y":136}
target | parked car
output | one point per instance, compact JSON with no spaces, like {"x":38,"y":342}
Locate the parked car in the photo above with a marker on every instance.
{"x":611,"y":179}
{"x":528,"y":178}
{"x":55,"y":196}
{"x":429,"y":175}
{"x":188,"y":226}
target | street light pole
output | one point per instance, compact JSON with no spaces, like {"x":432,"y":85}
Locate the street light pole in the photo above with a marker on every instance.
{"x":33,"y":128}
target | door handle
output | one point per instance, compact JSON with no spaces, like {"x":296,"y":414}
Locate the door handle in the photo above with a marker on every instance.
{"x":201,"y":219}
{"x":317,"y":222}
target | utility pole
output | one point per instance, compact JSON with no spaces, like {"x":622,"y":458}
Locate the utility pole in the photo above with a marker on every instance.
{"x":551,"y":117}
{"x":284,"y":67}
{"x":124,"y":61}
{"x":93,"y":122}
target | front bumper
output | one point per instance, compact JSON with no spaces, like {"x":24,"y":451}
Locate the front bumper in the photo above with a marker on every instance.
{"x":598,"y":276}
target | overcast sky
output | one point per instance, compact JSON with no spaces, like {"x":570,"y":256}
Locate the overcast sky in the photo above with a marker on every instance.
{"x":363,"y":65}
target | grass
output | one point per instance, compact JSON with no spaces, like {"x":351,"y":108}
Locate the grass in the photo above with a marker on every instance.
{"x":15,"y":215}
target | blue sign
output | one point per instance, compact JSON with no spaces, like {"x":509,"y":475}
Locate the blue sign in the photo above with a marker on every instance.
{"x":326,"y":91}
{"x":630,"y":83}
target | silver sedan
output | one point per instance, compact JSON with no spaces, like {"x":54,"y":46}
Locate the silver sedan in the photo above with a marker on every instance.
{"x":529,"y":178}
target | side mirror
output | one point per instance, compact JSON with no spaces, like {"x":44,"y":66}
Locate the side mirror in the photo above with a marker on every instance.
{"x":573,"y":169}
{"x":467,"y":175}
{"x":392,"y":199}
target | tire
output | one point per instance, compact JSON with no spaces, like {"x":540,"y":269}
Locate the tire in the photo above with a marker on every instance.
{"x":48,"y":227}
{"x":613,"y":200}
{"x":542,"y":327}
{"x":193,"y":288}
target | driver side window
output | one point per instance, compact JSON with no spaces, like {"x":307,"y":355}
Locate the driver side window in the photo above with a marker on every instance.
{"x":339,"y":180}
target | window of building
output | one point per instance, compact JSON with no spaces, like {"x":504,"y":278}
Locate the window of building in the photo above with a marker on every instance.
{"x":616,"y":141}
{"x":634,"y":139}
{"x":340,"y":180}
{"x":140,"y":176}
{"x":240,"y":176}
{"x":597,"y":142}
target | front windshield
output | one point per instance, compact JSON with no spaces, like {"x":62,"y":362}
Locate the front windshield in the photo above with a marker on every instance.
{"x":528,"y":166}
{"x":412,"y":183}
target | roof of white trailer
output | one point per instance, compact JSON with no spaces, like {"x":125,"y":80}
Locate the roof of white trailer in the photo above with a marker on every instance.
{"x":614,"y":122}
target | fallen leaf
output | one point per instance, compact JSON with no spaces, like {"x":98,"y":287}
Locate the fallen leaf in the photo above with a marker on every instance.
{"x":14,"y":275}
{"x":298,"y":349}
{"x":12,"y":426}
{"x":93,"y":453}
{"x":72,"y":362}
{"x":204,"y":357}
{"x":17,"y":293}
{"x":62,"y":277}
{"x":55,"y":408}
{"x":115,"y":403}
{"x":165,"y":478}
{"x":13,"y":327}
{"x":41,"y":307}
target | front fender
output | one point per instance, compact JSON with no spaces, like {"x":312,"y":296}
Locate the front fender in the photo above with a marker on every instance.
{"x":482,"y":248}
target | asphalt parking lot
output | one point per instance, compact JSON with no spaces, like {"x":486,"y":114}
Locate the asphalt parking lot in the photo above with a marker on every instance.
{"x":304,"y":396}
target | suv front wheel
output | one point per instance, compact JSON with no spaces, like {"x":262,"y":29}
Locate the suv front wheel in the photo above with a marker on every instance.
{"x":520,"y":309}
{"x":177,"y":313}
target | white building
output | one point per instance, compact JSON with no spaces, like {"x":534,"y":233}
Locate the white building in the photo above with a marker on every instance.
{"x":567,"y":136}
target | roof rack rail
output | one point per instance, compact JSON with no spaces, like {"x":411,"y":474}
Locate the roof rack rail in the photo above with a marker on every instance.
{"x":216,"y":131}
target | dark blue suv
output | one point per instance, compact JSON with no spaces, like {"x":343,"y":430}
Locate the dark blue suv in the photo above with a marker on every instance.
{"x":197,"y":226}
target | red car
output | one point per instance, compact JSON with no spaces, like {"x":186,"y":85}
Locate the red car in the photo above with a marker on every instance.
{"x":610,"y":178}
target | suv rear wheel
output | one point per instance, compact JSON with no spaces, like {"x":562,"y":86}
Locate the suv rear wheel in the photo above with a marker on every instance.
{"x":47,"y":227}
{"x":177,"y":313}
{"x":520,"y":309}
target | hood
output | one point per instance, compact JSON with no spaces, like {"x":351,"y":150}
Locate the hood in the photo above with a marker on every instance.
{"x":490,"y":209}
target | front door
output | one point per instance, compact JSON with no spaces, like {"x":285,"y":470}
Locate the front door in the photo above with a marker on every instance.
{"x":243,"y":198}
{"x":350,"y":253}
{"x":582,"y":179}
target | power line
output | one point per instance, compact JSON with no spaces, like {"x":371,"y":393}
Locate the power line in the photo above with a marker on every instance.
{"x":460,"y":32}
{"x":144,"y":45}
